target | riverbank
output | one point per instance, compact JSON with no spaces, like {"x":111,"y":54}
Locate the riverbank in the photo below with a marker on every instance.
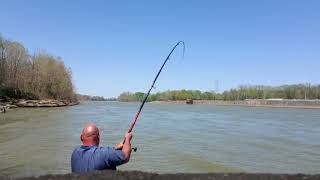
{"x":124,"y":175}
{"x":272,"y":103}
{"x":6,"y":104}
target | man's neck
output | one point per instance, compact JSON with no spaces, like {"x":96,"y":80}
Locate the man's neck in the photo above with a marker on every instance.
{"x":90,"y":144}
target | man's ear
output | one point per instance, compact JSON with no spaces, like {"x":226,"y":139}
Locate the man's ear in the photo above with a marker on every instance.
{"x":81,"y":138}
{"x":98,"y":137}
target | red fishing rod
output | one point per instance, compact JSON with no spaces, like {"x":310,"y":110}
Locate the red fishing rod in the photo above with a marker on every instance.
{"x":154,"y":81}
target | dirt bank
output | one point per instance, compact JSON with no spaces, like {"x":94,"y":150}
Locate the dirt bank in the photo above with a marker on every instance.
{"x":273,"y":103}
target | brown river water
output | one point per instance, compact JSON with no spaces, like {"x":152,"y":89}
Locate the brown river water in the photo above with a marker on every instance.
{"x":170,"y":138}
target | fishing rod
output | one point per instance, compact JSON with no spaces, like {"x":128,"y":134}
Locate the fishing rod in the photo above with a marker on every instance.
{"x":152,"y":86}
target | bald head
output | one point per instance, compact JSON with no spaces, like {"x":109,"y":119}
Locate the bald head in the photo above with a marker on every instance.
{"x":90,"y":135}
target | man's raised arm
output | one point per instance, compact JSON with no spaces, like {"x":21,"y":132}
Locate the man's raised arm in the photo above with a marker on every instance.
{"x":126,"y":147}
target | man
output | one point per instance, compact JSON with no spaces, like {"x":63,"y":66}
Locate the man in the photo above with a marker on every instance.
{"x":90,"y":156}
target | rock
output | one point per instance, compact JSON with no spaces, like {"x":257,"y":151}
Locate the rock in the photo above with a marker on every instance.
{"x":12,"y":106}
{"x":61,"y":104}
{"x":73,"y":103}
{"x":3,"y":109}
{"x":47,"y":105}
{"x":21,"y":103}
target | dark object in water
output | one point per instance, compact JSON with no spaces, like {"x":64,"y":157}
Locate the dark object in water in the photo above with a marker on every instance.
{"x":123,"y":175}
{"x":189,"y":101}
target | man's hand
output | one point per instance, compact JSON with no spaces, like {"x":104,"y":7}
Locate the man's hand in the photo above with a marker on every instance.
{"x":128,"y":136}
{"x":118,"y":146}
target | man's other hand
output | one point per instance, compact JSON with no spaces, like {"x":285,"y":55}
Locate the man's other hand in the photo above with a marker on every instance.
{"x":118,"y":146}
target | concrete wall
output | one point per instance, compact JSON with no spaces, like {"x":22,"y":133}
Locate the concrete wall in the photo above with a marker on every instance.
{"x":128,"y":175}
{"x":284,"y":102}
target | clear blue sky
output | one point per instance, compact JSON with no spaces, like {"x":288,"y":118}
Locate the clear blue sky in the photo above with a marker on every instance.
{"x":115,"y":46}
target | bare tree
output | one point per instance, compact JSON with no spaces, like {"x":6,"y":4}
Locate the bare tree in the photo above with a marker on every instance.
{"x":39,"y":76}
{"x":2,"y":61}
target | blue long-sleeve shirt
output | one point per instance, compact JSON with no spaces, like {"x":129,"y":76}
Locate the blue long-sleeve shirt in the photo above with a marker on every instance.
{"x":92,"y":158}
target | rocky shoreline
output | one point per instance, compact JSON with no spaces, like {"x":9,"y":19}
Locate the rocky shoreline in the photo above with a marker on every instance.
{"x":6,"y":104}
{"x":128,"y":175}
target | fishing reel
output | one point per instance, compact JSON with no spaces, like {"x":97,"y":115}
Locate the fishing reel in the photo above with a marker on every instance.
{"x":134,"y":149}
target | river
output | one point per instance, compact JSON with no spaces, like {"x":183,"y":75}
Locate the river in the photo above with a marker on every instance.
{"x":170,"y":138}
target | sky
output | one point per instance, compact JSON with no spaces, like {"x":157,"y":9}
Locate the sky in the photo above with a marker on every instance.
{"x":117,"y":46}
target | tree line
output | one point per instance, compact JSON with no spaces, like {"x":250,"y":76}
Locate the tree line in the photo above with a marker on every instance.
{"x":90,"y":98}
{"x":295,"y":91}
{"x":33,"y":76}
